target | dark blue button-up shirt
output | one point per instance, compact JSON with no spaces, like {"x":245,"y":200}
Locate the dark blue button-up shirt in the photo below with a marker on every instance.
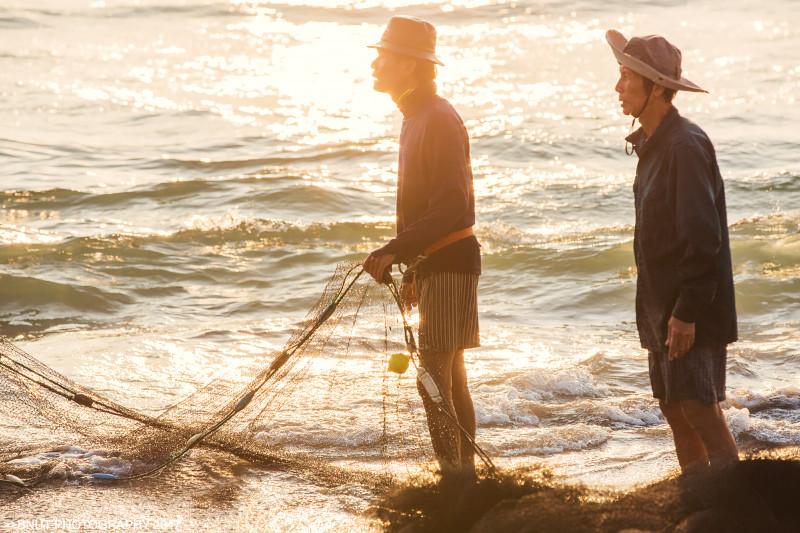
{"x":681,"y":242}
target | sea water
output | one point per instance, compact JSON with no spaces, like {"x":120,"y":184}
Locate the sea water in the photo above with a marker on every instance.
{"x":181,"y":177}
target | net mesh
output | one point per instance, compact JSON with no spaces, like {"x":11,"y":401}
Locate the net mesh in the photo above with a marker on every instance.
{"x":345,"y":338}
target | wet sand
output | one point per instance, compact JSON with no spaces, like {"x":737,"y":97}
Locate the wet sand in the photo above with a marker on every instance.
{"x":757,"y":494}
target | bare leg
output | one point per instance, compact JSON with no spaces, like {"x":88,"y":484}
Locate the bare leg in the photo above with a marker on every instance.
{"x":709,"y":423}
{"x":689,"y":447}
{"x":444,"y":433}
{"x":465,"y":412}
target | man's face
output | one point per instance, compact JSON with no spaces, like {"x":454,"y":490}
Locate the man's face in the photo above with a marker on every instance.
{"x":391,"y":71}
{"x":631,"y":90}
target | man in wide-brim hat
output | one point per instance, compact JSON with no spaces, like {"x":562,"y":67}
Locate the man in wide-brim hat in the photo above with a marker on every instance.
{"x":435,"y":215}
{"x":685,"y":309}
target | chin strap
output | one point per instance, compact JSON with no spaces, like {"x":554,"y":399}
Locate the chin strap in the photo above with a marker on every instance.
{"x":401,"y":100}
{"x":633,"y":121}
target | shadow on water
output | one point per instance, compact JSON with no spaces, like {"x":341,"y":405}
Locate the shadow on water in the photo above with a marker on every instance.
{"x":754,"y":495}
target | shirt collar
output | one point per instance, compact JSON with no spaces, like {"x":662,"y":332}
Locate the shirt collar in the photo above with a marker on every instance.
{"x":639,"y":138}
{"x":413,"y":101}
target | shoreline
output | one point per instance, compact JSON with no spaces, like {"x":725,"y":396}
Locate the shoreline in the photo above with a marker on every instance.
{"x":755,"y":494}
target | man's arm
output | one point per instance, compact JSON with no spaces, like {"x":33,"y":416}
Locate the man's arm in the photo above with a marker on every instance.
{"x":698,"y":230}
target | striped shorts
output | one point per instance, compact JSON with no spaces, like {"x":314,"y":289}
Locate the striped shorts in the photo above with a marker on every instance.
{"x":448,"y":311}
{"x":698,"y":375}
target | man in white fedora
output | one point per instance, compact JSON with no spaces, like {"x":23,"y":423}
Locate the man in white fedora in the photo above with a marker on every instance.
{"x":435,"y":216}
{"x":685,"y":309}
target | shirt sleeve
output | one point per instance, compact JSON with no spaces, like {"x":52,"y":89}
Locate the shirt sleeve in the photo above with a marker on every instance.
{"x":697,"y":227}
{"x":449,"y":187}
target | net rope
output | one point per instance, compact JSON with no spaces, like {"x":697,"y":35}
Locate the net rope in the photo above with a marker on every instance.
{"x":354,"y":320}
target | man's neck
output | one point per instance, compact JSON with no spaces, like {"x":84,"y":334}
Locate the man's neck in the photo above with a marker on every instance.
{"x":401,"y":92}
{"x":653,"y":115}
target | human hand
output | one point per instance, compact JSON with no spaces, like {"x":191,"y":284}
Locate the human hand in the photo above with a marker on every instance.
{"x":377,"y":265}
{"x":408,"y":295}
{"x":680,"y":337}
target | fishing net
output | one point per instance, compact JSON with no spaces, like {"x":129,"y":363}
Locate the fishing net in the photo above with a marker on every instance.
{"x":347,"y":336}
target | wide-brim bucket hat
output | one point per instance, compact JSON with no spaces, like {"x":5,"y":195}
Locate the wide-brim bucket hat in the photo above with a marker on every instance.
{"x":653,"y":57}
{"x":410,"y":36}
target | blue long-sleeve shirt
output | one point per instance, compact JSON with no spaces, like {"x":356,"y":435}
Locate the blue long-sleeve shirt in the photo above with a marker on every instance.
{"x":681,"y":244}
{"x":435,"y":194}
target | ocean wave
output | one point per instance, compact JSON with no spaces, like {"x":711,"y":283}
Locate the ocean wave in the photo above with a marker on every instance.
{"x":278,"y":191}
{"x":542,"y":441}
{"x":144,"y":250}
{"x":774,"y":294}
{"x":312,"y":197}
{"x":59,"y":198}
{"x":84,"y":251}
{"x":506,"y":412}
{"x":498,"y":237}
{"x":24,"y":151}
{"x":13,"y":233}
{"x":755,"y":260}
{"x":321,"y":437}
{"x":159,"y":10}
{"x":18,"y":18}
{"x":547,"y":384}
{"x":377,"y":13}
{"x":635,"y":412}
{"x":775,"y":433}
{"x":782,"y":181}
{"x":74,"y":463}
{"x":501,"y":238}
{"x":763,"y":247}
{"x":21,"y":293}
{"x":767,"y":258}
{"x":613,"y":411}
{"x":602,"y":255}
{"x":779,"y":432}
{"x":594,"y":254}
{"x":525,"y":399}
{"x":767,"y":226}
{"x":754,"y":402}
{"x":136,"y":11}
{"x":274,"y":231}
{"x":207,"y":165}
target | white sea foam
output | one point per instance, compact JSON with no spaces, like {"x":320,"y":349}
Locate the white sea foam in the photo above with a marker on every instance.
{"x":518,"y":400}
{"x":634,"y":416}
{"x":71,"y":462}
{"x":546,"y":384}
{"x":738,"y":420}
{"x":550,"y":440}
{"x":768,"y":431}
{"x":321,"y":437}
{"x":775,"y":432}
{"x":504,"y":414}
{"x":786,"y":397}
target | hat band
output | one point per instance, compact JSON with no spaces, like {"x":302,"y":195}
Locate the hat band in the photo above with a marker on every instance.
{"x":426,"y":54}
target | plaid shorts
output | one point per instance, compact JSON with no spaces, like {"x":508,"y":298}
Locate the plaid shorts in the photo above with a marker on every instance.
{"x":448,"y":311}
{"x":698,"y":375}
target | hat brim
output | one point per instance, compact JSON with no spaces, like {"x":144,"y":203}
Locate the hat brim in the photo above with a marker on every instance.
{"x":617,"y":41}
{"x":402,"y":50}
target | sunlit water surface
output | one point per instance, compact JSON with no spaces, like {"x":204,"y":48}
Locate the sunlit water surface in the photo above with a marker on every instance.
{"x":180,"y":179}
